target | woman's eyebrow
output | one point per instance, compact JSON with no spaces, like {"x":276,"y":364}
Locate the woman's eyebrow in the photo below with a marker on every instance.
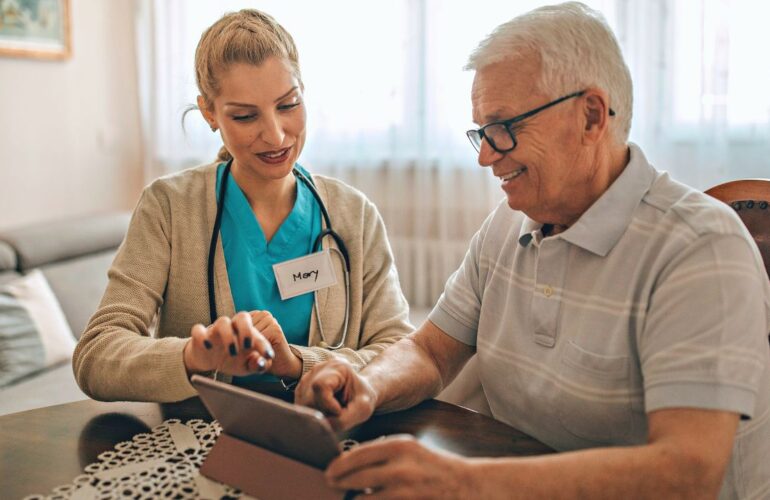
{"x":247,"y":105}
{"x":287,"y":93}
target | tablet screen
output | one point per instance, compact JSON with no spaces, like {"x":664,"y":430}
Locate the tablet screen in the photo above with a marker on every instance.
{"x":297,"y":432}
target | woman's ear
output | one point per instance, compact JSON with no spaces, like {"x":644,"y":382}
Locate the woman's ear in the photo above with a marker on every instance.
{"x":205,"y":110}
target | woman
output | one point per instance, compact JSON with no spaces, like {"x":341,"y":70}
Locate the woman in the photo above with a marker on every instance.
{"x":252,"y":209}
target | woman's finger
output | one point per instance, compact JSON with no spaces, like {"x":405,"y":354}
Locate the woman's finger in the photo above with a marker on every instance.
{"x":262,"y":345}
{"x":221,"y":333}
{"x":265,"y":322}
{"x":243,"y":326}
{"x":267,"y":328}
{"x":256,"y":316}
{"x":256,"y":363}
{"x":199,"y":337}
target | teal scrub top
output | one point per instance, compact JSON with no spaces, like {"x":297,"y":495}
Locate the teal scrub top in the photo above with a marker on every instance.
{"x":249,"y":257}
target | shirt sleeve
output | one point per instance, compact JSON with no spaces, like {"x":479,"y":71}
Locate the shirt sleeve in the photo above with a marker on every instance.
{"x":457,"y":311}
{"x":704,"y":344}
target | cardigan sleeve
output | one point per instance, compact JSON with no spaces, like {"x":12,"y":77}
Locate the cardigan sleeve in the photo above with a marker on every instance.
{"x":117,"y":358}
{"x":385,"y":311}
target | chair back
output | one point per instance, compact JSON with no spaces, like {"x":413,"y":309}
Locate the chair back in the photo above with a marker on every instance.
{"x":750,"y":199}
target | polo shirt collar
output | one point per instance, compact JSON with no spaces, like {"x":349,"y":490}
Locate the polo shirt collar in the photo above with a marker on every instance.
{"x":528,"y":227}
{"x":601,"y":226}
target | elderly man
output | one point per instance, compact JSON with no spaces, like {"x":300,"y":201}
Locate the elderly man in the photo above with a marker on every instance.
{"x":618,"y":316}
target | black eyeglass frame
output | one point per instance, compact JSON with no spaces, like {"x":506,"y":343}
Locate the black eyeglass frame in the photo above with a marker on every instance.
{"x":510,"y":121}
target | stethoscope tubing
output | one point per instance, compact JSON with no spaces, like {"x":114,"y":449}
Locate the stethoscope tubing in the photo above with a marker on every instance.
{"x":327,"y":231}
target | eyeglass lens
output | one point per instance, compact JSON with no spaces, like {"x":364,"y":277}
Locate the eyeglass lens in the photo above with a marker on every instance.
{"x":498,"y":136}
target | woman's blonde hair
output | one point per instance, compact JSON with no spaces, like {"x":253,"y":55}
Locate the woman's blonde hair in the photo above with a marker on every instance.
{"x":247,"y":36}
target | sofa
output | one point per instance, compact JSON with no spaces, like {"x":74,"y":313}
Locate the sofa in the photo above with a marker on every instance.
{"x":73,"y":256}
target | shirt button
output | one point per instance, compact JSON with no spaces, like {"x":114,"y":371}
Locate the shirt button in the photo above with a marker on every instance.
{"x":547,"y":291}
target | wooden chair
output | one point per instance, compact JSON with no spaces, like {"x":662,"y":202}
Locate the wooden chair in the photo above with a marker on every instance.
{"x":750,"y":199}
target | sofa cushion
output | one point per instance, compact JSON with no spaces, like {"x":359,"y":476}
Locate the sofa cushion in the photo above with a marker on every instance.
{"x":79,"y":285}
{"x":7,"y":276}
{"x":7,"y":258}
{"x":34,"y":333}
{"x":7,"y":263}
{"x":52,"y":387}
{"x":50,"y":242}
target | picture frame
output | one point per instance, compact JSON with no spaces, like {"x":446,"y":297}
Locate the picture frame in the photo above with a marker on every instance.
{"x":38,"y":29}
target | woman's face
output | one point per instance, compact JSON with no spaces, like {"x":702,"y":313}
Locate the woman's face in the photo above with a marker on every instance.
{"x":261,"y":116}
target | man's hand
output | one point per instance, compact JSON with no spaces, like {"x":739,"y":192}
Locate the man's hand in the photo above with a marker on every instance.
{"x":401,"y":467}
{"x":338,"y":391}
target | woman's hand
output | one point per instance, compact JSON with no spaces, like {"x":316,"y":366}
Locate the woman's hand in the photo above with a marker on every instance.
{"x":285,"y":364}
{"x":231,"y":346}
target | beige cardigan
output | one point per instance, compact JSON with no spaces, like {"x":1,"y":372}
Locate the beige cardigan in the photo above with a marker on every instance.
{"x":161,"y":268}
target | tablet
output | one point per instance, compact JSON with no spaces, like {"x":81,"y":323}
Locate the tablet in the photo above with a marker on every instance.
{"x":293,"y":431}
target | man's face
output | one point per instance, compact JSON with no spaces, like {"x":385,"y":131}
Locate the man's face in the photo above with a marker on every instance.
{"x":547,"y":174}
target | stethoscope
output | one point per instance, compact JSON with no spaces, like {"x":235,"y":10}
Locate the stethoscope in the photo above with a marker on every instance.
{"x":341,"y":250}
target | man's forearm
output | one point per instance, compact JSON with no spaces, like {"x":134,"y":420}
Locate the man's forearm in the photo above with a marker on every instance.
{"x":402,"y":376}
{"x":686,"y":457}
{"x":415,"y":368}
{"x":648,"y":471}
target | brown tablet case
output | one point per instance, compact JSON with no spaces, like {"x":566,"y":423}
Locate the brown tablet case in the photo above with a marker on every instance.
{"x":263,"y":474}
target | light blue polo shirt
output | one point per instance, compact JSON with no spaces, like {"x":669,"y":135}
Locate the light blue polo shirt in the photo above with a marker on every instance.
{"x":250,"y":257}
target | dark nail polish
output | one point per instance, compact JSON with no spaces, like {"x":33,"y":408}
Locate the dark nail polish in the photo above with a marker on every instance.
{"x":247,"y":343}
{"x":261,"y":363}
{"x":233,"y":351}
{"x":270,"y":353}
{"x":207,"y":344}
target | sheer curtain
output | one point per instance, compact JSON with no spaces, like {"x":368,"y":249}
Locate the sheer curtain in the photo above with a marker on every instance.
{"x":701,"y":78}
{"x":388,"y":102}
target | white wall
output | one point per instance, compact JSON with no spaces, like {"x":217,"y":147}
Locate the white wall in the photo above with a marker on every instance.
{"x":70,"y":138}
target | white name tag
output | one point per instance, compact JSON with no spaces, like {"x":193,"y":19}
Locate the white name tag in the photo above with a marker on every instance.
{"x":305,"y":274}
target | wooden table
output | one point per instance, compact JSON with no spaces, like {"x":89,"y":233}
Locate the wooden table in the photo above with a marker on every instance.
{"x":44,"y":448}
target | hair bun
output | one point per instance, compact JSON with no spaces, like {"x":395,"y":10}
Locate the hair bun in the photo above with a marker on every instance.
{"x":224,"y":154}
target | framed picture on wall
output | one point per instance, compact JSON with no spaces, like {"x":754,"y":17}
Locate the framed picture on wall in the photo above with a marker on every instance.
{"x":35,"y":28}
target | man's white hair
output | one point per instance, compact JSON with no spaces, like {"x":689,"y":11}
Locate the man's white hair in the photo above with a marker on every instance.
{"x":577,"y":49}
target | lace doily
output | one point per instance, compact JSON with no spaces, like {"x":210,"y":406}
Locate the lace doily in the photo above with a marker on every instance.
{"x":162,"y":463}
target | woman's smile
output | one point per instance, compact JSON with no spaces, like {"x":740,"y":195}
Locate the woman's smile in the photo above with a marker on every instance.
{"x":275,"y":157}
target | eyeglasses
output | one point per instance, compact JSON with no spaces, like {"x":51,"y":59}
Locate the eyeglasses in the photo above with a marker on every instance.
{"x":500,"y":135}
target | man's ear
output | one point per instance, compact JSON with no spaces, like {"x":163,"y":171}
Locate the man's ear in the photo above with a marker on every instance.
{"x":596,"y":112}
{"x":206,"y":112}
